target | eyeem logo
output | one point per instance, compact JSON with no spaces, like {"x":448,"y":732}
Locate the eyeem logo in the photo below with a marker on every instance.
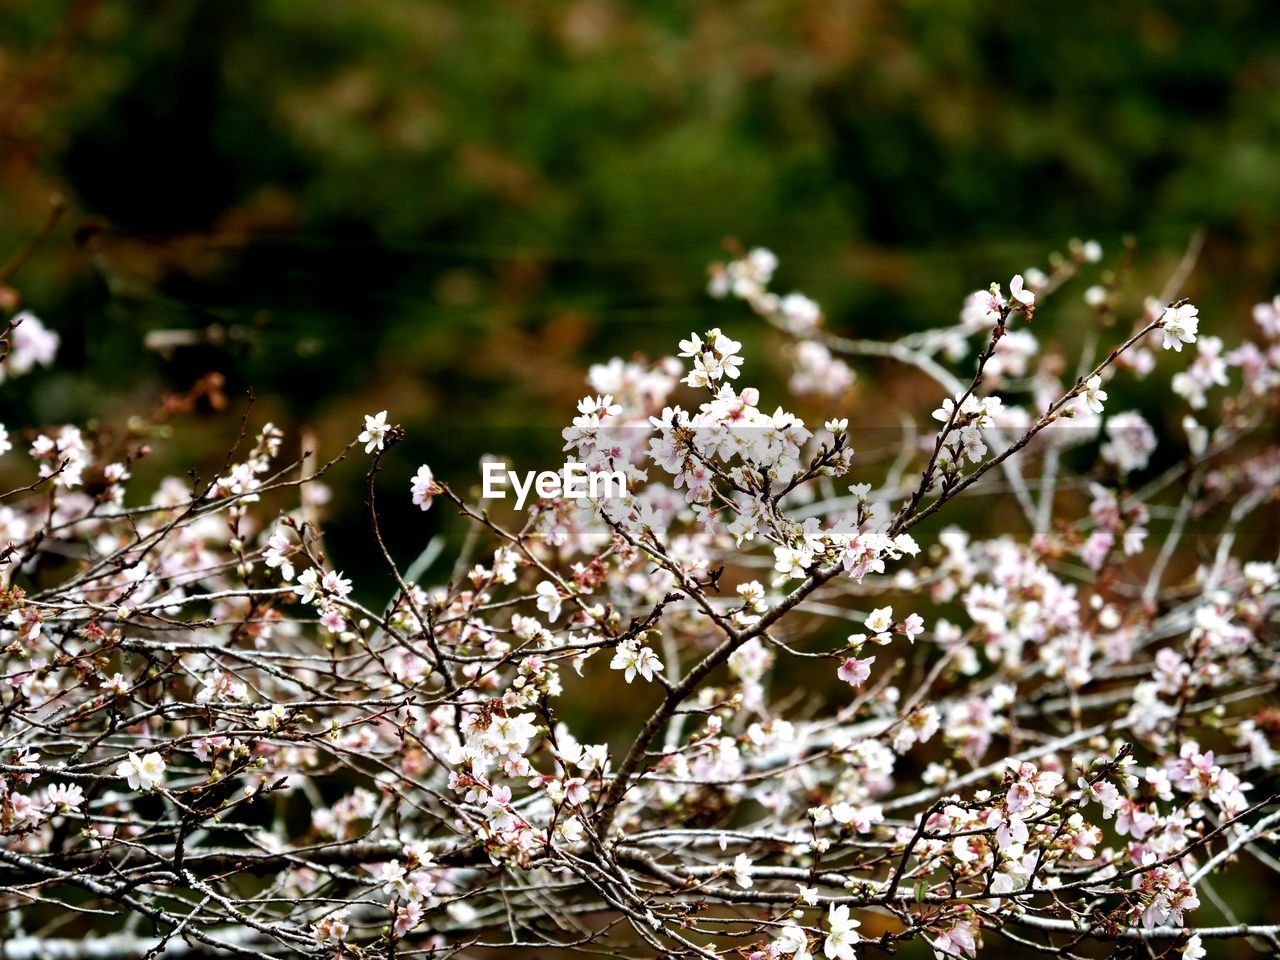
{"x":573,"y":482}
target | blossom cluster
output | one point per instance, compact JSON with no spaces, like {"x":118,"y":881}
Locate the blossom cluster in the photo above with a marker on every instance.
{"x":781,"y":700}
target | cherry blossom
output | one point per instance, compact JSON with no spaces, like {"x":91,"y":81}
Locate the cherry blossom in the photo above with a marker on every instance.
{"x":1019,"y":293}
{"x":423,"y":487}
{"x":1130,"y":442}
{"x":1074,"y":740}
{"x":958,"y":941}
{"x":791,"y":941}
{"x":142,"y":773}
{"x":31,"y":344}
{"x":549,"y":600}
{"x":1094,"y":395}
{"x":277,"y":554}
{"x":855,"y":672}
{"x":374,"y":434}
{"x":842,"y":933}
{"x":65,"y":797}
{"x":1179,"y":324}
{"x":635,"y":659}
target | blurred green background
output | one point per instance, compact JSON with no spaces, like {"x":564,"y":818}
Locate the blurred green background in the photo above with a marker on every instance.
{"x":450,"y":209}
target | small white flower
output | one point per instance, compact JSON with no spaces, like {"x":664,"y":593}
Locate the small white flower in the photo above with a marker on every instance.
{"x":791,"y":942}
{"x":65,"y":797}
{"x":1094,"y":395}
{"x":143,"y":773}
{"x":277,"y":554}
{"x":549,"y":600}
{"x":1131,"y":441}
{"x":334,"y":927}
{"x":1020,"y":293}
{"x":633,"y":658}
{"x":375,"y":432}
{"x":116,"y":684}
{"x":334,"y":583}
{"x":843,"y":933}
{"x":423,"y":487}
{"x":799,"y":312}
{"x":1179,"y":326}
{"x":270,"y":719}
{"x":308,"y":585}
{"x":691,"y":347}
{"x":881,"y":620}
{"x":763,"y":261}
{"x":742,"y":871}
{"x":570,"y":830}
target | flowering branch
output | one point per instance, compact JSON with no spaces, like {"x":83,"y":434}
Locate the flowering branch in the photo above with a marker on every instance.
{"x":211,"y":744}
